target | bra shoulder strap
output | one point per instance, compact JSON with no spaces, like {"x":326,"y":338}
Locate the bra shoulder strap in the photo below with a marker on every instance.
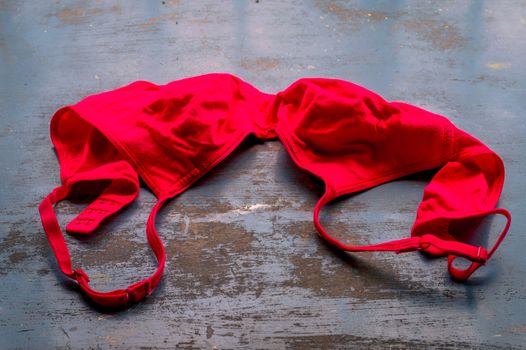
{"x":116,"y":298}
{"x":427,"y":243}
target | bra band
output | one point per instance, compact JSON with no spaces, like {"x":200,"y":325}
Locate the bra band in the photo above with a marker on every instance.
{"x":427,"y":243}
{"x":115,"y":298}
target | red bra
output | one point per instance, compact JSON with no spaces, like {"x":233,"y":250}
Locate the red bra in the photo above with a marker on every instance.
{"x":348,"y":136}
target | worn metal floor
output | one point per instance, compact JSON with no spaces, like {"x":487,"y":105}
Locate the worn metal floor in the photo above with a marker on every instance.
{"x":245,"y":267}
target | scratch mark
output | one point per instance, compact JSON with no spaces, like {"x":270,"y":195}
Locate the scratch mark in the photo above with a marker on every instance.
{"x":26,"y":330}
{"x":186,"y":220}
{"x":209,"y":332}
{"x":66,"y":333}
{"x":249,"y":208}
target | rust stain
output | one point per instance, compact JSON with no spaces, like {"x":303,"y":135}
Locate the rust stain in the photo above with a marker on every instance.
{"x":490,"y":80}
{"x":110,"y":250}
{"x":16,"y":247}
{"x":7,"y":5}
{"x":347,"y":14}
{"x":74,"y":15}
{"x":150,"y":23}
{"x":18,"y":257}
{"x":333,"y":273}
{"x":43,"y":272}
{"x":308,"y":272}
{"x":360,"y":276}
{"x":209,"y":332}
{"x":170,"y":2}
{"x":197,"y":208}
{"x":203,"y":262}
{"x":497,"y":81}
{"x":201,"y":20}
{"x":12,"y":242}
{"x":5,"y":130}
{"x":521,"y":329}
{"x":439,"y":34}
{"x":260,"y":63}
{"x":335,"y":341}
{"x":70,"y":15}
{"x":306,"y":229}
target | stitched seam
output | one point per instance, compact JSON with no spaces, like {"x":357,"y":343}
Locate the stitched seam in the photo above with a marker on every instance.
{"x":291,"y":147}
{"x":393,"y":174}
{"x":126,"y":152}
{"x":199,"y":172}
{"x":139,"y":165}
{"x":397,"y":173}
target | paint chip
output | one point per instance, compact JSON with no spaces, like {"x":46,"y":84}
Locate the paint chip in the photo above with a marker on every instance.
{"x":498,"y":65}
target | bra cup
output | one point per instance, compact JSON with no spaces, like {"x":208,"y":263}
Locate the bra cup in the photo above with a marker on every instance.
{"x":167,"y":109}
{"x":190,"y":124}
{"x":206,"y":125}
{"x":328,"y":123}
{"x":180,"y":130}
{"x":336,"y":128}
{"x":470,"y":183}
{"x":355,"y":134}
{"x":82,"y":147}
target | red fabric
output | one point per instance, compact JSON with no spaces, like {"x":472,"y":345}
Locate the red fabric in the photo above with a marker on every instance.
{"x":348,"y":136}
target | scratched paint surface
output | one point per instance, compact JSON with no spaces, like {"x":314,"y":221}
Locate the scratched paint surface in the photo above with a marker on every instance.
{"x":245,"y":267}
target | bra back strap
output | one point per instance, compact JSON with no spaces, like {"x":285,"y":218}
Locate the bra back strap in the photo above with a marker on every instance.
{"x":427,"y":243}
{"x":116,"y":298}
{"x":463,"y":274}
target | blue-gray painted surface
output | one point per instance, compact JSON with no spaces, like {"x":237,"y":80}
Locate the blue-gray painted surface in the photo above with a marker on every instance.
{"x":245,"y":266}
